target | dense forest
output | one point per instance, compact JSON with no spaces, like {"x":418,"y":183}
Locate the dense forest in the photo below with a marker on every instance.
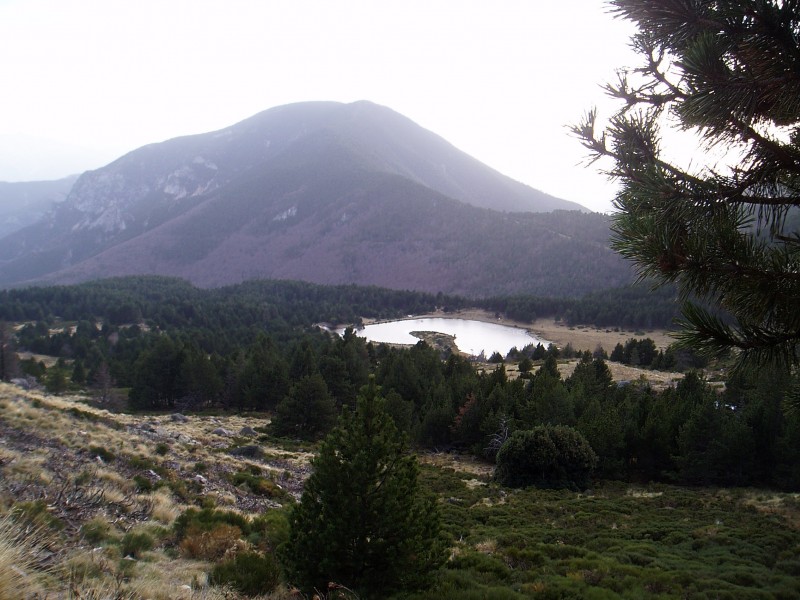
{"x":253,"y":347}
{"x":273,"y":304}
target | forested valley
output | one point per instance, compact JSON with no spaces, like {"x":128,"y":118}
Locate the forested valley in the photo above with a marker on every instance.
{"x":157,"y":344}
{"x":534,"y":474}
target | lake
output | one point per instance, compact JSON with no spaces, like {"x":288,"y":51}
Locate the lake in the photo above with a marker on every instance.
{"x":471,"y":337}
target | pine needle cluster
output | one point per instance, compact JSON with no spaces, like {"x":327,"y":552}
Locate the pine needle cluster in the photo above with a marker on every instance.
{"x":726,"y":229}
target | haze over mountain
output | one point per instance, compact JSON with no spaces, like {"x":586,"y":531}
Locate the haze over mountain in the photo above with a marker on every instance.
{"x":24,"y":203}
{"x":319,"y":191}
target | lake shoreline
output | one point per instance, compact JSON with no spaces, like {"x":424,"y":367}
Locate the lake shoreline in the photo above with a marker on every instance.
{"x":473,"y":333}
{"x":580,"y":337}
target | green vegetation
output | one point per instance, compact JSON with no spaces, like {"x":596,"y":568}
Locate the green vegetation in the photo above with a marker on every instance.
{"x":616,"y":541}
{"x":585,"y":431}
{"x":250,"y":573}
{"x":252,"y":348}
{"x":724,"y":230}
{"x":307,"y":412}
{"x":134,"y":543}
{"x":262,"y":486}
{"x":362,"y":520}
{"x":546,"y":456}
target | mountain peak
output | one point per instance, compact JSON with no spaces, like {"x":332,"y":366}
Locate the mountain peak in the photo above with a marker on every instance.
{"x":314,"y":191}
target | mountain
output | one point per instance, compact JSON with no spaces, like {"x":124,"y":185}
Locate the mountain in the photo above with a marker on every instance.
{"x":323,"y":192}
{"x":24,"y":203}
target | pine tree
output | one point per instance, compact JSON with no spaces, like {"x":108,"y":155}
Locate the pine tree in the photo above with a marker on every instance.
{"x":363,"y":521}
{"x":724,"y":229}
{"x":307,"y":412}
{"x":9,"y":362}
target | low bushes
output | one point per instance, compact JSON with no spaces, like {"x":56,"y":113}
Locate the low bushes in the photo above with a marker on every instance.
{"x":250,"y":573}
{"x":546,"y":456}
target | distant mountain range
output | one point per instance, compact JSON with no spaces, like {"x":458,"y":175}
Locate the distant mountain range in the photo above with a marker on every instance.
{"x":323,"y":192}
{"x":24,"y":203}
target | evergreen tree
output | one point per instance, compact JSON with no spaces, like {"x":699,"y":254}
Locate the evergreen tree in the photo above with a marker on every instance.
{"x":56,"y":380}
{"x":363,"y":520}
{"x":307,"y":412}
{"x":9,"y":363}
{"x":547,"y":401}
{"x":78,"y":373}
{"x":726,"y":232}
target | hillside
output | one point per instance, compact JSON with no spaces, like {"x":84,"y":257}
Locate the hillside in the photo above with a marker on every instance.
{"x":103,"y":501}
{"x":321,"y":192}
{"x":24,"y":203}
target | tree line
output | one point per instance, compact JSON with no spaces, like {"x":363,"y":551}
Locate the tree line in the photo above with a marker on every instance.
{"x":233,"y":311}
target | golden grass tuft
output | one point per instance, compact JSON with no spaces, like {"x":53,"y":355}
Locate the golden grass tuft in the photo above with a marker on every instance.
{"x":486,"y":546}
{"x":176,"y":579}
{"x":165,"y":510}
{"x":19,"y":571}
{"x":30,"y":467}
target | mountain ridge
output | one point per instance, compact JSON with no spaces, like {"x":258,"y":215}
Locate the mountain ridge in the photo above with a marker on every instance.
{"x":323,"y":192}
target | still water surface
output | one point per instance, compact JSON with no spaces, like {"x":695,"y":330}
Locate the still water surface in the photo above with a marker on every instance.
{"x":472,"y":337}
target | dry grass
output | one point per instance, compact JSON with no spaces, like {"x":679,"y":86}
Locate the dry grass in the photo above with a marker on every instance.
{"x":165,"y":509}
{"x":20,"y":568}
{"x":64,"y":450}
{"x":461,"y":463}
{"x":656,"y":379}
{"x":786,"y":506}
{"x":587,"y":337}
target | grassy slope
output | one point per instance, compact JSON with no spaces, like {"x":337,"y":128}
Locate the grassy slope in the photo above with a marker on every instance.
{"x":617,"y":541}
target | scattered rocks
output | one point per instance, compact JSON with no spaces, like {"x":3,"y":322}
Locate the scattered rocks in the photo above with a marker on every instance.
{"x":25,"y":384}
{"x":183,"y":438}
{"x":250,"y":451}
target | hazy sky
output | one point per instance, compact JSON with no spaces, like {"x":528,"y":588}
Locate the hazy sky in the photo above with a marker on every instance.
{"x":500,"y":79}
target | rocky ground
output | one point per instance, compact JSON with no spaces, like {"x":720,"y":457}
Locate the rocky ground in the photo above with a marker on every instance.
{"x":65,"y":464}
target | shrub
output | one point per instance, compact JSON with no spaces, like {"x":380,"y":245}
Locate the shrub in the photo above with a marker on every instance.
{"x":261,"y":486}
{"x":36,"y":514}
{"x":249,"y":573}
{"x":83,"y":415}
{"x":96,"y":530}
{"x":207,"y":519}
{"x":270,"y":530}
{"x":143,"y":484}
{"x":103,"y":453}
{"x":134,"y":543}
{"x":546,"y":456}
{"x":210,"y":545}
